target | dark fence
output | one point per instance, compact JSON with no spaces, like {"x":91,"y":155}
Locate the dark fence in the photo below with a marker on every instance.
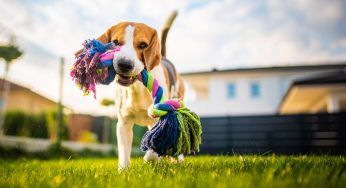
{"x":282,"y":134}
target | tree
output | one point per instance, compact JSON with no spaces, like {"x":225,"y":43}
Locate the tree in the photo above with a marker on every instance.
{"x":8,"y":53}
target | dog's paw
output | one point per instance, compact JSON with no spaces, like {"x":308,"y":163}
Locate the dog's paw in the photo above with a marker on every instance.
{"x":122,"y":169}
{"x":122,"y":166}
{"x":179,"y":159}
{"x":151,"y":156}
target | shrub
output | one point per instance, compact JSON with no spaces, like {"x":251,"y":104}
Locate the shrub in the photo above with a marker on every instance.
{"x":15,"y":124}
{"x":55,"y":151}
{"x":32,"y":125}
{"x":138,"y":132}
{"x":52,"y":125}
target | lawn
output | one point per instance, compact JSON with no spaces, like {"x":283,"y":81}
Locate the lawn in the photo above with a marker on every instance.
{"x":202,"y":171}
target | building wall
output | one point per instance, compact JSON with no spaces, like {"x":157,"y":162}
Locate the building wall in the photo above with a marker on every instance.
{"x":79,"y":123}
{"x":101,"y":127}
{"x":215,"y":102}
{"x":27,"y":101}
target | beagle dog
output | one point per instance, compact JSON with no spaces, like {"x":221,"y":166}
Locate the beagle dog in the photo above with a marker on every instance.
{"x":140,"y":49}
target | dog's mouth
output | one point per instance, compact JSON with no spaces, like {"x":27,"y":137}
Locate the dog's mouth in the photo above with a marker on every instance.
{"x":125,"y":80}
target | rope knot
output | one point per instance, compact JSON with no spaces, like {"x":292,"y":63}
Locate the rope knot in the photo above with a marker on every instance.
{"x":161,"y":109}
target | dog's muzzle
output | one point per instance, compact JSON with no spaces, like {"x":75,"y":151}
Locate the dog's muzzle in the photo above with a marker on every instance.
{"x":125,"y":66}
{"x":124,"y":69}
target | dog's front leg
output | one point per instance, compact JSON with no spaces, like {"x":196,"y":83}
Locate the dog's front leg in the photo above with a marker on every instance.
{"x":124,"y":138}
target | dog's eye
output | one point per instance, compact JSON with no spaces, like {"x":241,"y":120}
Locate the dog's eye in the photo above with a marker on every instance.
{"x":116,"y":42}
{"x":142,"y":45}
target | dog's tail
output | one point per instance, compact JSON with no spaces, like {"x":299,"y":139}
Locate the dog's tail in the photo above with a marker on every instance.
{"x":165,"y":30}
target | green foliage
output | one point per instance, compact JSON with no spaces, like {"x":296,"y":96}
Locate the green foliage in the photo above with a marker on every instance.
{"x":30,"y":125}
{"x":11,"y":153}
{"x":138,"y":132}
{"x":51,"y":118}
{"x":202,"y":171}
{"x":107,"y":102}
{"x":22,"y":124}
{"x":15,"y":122}
{"x":10,"y":52}
{"x":38,"y":126}
{"x":55,"y":151}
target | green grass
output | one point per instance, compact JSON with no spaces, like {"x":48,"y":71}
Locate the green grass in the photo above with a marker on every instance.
{"x":203,"y":171}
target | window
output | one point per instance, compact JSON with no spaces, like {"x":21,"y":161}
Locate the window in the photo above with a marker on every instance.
{"x":255,"y":90}
{"x":231,"y":90}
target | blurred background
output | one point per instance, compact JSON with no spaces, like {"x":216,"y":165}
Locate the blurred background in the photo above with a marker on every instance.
{"x":250,"y":67}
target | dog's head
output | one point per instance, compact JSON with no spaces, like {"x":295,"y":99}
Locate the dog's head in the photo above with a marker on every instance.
{"x":140,"y":48}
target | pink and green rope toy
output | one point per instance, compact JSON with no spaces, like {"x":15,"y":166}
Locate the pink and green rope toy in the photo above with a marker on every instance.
{"x":178,"y":130}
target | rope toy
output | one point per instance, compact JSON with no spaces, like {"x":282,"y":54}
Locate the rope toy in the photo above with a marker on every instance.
{"x":94,"y":66}
{"x":178,"y":130}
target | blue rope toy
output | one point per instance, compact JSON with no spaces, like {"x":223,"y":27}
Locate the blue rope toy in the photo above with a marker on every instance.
{"x":178,"y":130}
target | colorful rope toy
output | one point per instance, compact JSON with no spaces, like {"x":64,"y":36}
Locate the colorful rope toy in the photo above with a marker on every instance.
{"x":178,"y":130}
{"x":94,"y":66}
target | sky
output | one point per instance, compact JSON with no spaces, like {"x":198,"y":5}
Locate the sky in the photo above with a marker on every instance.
{"x":206,"y":34}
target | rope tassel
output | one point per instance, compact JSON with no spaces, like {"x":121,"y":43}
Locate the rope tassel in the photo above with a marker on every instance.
{"x":94,"y":65}
{"x":178,"y":130}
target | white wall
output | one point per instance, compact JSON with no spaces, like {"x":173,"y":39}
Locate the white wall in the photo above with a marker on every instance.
{"x":272,"y":89}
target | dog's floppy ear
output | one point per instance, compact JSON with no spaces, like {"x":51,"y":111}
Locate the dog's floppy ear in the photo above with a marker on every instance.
{"x":152,"y":54}
{"x":104,"y":38}
{"x":76,"y":54}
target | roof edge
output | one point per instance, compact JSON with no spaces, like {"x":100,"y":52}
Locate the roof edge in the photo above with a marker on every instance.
{"x":20,"y":87}
{"x":272,"y":68}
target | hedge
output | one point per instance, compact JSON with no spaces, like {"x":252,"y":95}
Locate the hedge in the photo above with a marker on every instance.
{"x":42,"y":125}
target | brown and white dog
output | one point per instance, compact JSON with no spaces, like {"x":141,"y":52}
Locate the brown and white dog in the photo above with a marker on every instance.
{"x":140,"y":48}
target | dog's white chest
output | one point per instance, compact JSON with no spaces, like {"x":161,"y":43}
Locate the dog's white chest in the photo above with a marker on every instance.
{"x":132,"y":102}
{"x":136,"y":104}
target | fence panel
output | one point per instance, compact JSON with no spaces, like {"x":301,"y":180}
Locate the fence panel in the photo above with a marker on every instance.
{"x":281,"y":134}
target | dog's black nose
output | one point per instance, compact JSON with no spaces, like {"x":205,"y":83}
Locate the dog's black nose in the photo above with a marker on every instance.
{"x":125,"y":65}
